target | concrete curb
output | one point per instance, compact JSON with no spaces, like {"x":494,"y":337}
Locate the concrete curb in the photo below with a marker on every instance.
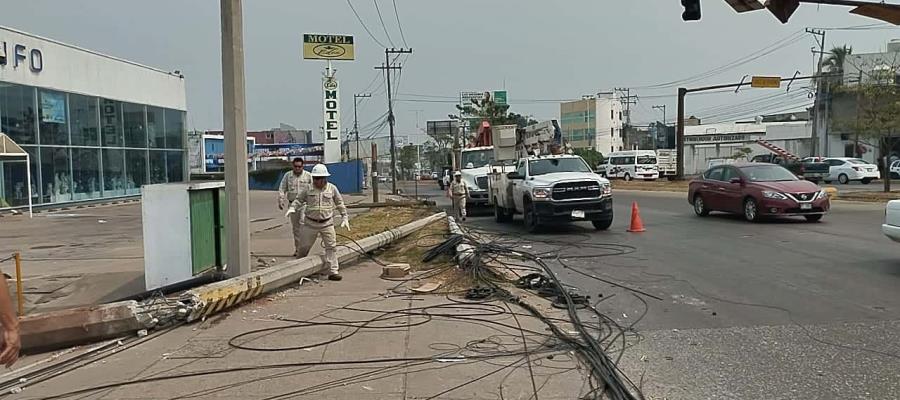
{"x":215,"y":297}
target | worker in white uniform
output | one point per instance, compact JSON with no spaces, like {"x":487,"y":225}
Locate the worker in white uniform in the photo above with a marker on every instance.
{"x":316,"y":205}
{"x":457,"y":193}
{"x":290,"y":186}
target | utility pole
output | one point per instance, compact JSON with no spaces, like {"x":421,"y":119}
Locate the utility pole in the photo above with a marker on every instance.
{"x":234,"y":107}
{"x":663,"y":108}
{"x":356,"y":97}
{"x":387,"y":68}
{"x":627,"y":101}
{"x":374,"y":172}
{"x":817,"y":107}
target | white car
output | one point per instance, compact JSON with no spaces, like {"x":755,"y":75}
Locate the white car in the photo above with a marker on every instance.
{"x":895,"y":169}
{"x":846,"y":169}
{"x":891,"y":226}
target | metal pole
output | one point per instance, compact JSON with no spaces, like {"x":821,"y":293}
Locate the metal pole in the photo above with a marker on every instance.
{"x":679,"y":135}
{"x":817,"y":112}
{"x":374,"y":156}
{"x":237,"y":226}
{"x":20,"y":297}
{"x":28,"y":183}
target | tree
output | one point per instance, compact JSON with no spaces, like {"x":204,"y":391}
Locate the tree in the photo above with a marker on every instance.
{"x":591,"y":156}
{"x":408,"y":158}
{"x":742,"y":153}
{"x":834,"y":64}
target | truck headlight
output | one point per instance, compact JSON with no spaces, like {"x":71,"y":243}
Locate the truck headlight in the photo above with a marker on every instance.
{"x":541,"y":193}
{"x":605,"y":190}
{"x":773,"y":195}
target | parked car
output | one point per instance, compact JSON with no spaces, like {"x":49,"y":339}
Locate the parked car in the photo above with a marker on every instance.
{"x":809,"y":168}
{"x":846,"y":169}
{"x":891,"y":226}
{"x":757,"y":190}
{"x":895,"y":169}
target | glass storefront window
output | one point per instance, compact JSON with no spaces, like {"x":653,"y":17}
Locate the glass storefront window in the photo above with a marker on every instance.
{"x":85,"y":126}
{"x":135,"y":130}
{"x":111,"y":122}
{"x":157,"y":166}
{"x":13,"y":192}
{"x":155,"y":127}
{"x":17,"y":115}
{"x":85,"y":174}
{"x":175,"y":131}
{"x":56,"y":177}
{"x":53,"y":128}
{"x":175,"y":166}
{"x":135,"y":170}
{"x":113,"y":172}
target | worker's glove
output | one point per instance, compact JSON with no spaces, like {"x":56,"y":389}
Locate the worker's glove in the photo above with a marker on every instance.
{"x":290,"y":211}
{"x":345,"y":222}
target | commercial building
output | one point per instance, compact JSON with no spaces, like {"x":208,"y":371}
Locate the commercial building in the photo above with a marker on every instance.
{"x":708,"y":144}
{"x":594,"y":122}
{"x":94,"y":126}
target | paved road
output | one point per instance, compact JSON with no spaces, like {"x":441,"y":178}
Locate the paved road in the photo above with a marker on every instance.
{"x":781,"y":309}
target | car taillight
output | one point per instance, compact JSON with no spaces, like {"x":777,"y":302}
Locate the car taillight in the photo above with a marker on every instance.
{"x":857,"y":168}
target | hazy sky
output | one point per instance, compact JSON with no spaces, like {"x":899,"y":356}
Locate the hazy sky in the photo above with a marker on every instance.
{"x":540,"y":51}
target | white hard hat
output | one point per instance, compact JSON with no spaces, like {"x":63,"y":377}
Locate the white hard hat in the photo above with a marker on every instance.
{"x":319,"y":170}
{"x":457,"y":173}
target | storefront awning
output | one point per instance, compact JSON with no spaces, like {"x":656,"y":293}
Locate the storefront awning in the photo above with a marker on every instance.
{"x":9,"y":148}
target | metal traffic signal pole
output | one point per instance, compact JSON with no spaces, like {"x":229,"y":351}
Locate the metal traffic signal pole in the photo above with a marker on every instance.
{"x":679,"y":128}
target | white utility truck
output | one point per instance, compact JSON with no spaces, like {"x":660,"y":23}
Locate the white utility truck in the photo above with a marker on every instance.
{"x":532,"y":175}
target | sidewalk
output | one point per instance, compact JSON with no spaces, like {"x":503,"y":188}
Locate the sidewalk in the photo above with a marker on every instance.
{"x":94,"y":254}
{"x":339,"y":340}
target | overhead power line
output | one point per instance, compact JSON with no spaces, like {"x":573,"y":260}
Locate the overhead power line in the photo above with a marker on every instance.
{"x":364,"y":24}
{"x":383,"y":26}
{"x":399,"y":25}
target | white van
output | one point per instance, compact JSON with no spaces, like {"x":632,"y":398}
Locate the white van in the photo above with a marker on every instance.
{"x":632,"y":164}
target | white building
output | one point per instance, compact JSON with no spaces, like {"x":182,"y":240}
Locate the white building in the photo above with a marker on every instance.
{"x":594,"y":122}
{"x":95,"y":126}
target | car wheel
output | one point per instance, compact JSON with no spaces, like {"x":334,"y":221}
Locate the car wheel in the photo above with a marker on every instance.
{"x":843,"y":179}
{"x":751,"y":210}
{"x":866,"y":181}
{"x":627,"y":177}
{"x":813,"y":218}
{"x":603,"y":224}
{"x":531,"y":223}
{"x":700,"y":207}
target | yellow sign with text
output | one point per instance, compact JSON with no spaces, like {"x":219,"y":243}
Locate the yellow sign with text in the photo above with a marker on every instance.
{"x":327,"y":47}
{"x":766,"y":82}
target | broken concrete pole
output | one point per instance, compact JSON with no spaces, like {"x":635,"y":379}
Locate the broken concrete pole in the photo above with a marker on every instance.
{"x":56,"y":329}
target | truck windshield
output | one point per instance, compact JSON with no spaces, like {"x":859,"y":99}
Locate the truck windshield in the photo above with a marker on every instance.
{"x":646,"y":160}
{"x":478,"y":158}
{"x":551,"y":165}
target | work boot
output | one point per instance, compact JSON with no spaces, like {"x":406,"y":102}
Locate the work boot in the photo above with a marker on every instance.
{"x":335,"y":277}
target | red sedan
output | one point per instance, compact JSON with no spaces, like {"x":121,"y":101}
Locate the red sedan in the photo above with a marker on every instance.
{"x":757,"y":190}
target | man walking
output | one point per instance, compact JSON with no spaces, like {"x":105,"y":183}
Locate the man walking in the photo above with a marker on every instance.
{"x":291,"y":185}
{"x":315,"y":208}
{"x":457,"y":193}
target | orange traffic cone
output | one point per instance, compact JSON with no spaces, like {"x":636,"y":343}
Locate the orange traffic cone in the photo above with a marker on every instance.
{"x":636,"y":224}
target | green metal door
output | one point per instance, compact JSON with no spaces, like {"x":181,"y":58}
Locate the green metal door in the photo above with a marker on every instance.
{"x":221,"y":209}
{"x":203,"y":230}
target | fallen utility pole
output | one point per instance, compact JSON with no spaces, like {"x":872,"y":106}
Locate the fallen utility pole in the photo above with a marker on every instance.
{"x":682,"y":92}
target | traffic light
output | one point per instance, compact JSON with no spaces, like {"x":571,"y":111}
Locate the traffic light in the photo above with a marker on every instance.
{"x":691,"y":10}
{"x":782,"y":9}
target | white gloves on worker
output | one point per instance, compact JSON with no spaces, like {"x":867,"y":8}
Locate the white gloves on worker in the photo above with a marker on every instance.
{"x":290,"y":211}
{"x":345,"y":222}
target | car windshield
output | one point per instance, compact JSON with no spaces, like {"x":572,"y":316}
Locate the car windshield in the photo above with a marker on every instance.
{"x":478,"y":158}
{"x":857,"y":161}
{"x":767,"y":173}
{"x":551,"y":165}
{"x":646,"y":160}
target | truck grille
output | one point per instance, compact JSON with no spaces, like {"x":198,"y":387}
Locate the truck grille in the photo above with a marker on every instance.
{"x":576,"y":190}
{"x":481,"y":182}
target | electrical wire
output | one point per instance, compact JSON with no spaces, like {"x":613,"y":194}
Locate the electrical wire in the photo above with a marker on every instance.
{"x":364,"y":24}
{"x":380,"y":18}
{"x":399,"y":25}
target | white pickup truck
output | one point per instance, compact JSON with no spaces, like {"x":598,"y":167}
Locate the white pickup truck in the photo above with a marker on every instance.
{"x":550,"y":189}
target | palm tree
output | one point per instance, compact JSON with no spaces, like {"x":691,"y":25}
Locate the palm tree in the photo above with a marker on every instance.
{"x":834,"y":64}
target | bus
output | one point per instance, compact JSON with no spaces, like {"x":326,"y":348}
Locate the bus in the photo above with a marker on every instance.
{"x":631,"y":164}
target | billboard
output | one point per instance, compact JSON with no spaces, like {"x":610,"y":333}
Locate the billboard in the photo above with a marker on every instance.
{"x":331,"y":106}
{"x":318,"y":46}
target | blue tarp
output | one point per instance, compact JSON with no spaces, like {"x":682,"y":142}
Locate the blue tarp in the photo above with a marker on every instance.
{"x":347,"y":176}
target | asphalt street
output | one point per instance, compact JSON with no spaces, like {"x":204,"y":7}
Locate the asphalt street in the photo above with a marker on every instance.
{"x":779,"y":309}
